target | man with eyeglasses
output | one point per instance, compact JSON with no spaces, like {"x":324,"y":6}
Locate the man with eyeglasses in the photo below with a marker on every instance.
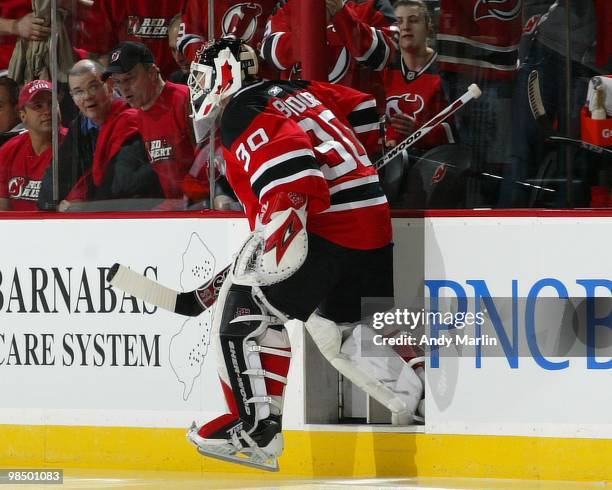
{"x":103,"y":156}
{"x":24,"y":159}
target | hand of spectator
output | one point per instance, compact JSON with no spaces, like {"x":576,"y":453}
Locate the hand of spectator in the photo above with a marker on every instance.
{"x":32,"y":28}
{"x":223,"y":203}
{"x":403,"y":124}
{"x":333,"y":6}
{"x":63,"y":206}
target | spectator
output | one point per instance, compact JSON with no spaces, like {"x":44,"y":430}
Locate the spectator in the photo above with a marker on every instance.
{"x":103,"y":155}
{"x":244,"y":20}
{"x":412,"y":83}
{"x":115,"y":21}
{"x":10,"y":123}
{"x":358,"y":35}
{"x":163,"y":113}
{"x":24,"y":159}
{"x":17,"y":20}
{"x":182,"y":74}
{"x":547,"y":54}
{"x":478,"y":43}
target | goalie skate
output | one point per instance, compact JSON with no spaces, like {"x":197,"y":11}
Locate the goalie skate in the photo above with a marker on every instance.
{"x":242,"y":448}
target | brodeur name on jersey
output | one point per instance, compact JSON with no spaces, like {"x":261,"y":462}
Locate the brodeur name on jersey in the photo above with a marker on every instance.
{"x":310,"y":138}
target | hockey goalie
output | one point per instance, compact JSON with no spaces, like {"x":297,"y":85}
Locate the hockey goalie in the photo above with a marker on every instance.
{"x":296,"y":157}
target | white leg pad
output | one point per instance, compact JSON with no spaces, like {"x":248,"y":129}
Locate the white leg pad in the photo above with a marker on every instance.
{"x":387,"y":378}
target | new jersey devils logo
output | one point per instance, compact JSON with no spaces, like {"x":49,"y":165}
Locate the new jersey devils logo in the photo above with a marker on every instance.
{"x":407,"y":104}
{"x":500,"y":9}
{"x":439,"y":174}
{"x":16,"y":186}
{"x":241,"y":20}
{"x":133,"y":25}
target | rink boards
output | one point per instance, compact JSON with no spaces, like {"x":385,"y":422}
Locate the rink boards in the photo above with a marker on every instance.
{"x":92,"y":378}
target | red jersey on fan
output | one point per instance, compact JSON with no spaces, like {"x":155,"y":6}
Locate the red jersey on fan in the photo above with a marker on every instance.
{"x":11,"y":9}
{"x":110,"y":22}
{"x":311,"y":138}
{"x":245,"y":20}
{"x":359,"y":34}
{"x":480,"y":36}
{"x":166,"y":131}
{"x":418,"y":95}
{"x":22,"y":171}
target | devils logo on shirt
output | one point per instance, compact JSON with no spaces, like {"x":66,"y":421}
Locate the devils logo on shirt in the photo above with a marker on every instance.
{"x":406,"y":104}
{"x":148,"y":27}
{"x":439,"y":174}
{"x":22,"y":188}
{"x":499,"y":9}
{"x":241,"y":20}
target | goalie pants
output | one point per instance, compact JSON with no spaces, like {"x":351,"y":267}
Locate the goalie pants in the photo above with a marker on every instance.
{"x":336,"y":280}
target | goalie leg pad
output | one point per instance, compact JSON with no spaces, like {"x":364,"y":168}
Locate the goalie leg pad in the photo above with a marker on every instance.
{"x":254,"y":361}
{"x":386,"y":377}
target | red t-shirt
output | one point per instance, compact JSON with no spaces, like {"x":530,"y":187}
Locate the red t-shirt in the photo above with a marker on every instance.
{"x":101,"y":27}
{"x":11,"y":9}
{"x":22,"y":171}
{"x":166,"y":132}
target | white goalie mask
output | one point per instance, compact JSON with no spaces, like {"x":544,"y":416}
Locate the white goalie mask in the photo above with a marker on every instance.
{"x":221,"y":68}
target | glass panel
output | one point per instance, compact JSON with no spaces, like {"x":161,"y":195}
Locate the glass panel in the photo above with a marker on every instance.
{"x":130,"y":143}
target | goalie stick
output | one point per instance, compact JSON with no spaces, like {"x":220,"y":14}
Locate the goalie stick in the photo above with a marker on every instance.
{"x":539,"y":114}
{"x":191,"y":303}
{"x":473,"y":92}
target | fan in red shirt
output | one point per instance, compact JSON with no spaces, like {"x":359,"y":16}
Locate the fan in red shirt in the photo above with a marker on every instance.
{"x":24,"y":159}
{"x":108,"y":22}
{"x":360,"y":38}
{"x":163,"y":115}
{"x":412,"y":83}
{"x":245,"y":20}
{"x":17,"y":20}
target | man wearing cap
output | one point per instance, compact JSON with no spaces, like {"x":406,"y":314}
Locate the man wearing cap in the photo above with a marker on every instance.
{"x":103,"y":156}
{"x":24,"y":159}
{"x":163,"y":111}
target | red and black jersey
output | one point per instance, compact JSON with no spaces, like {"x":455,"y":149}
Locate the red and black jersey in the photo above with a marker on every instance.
{"x":418,"y":95}
{"x":11,"y":9}
{"x":310,"y":138}
{"x":480,"y":36}
{"x":245,"y":20}
{"x":359,"y":35}
{"x":112,"y":21}
{"x":166,"y":132}
{"x":22,"y":171}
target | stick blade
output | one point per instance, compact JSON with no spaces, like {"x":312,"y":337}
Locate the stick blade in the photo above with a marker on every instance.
{"x":142,"y":287}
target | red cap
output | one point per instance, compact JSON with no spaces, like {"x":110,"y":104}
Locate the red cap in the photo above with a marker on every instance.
{"x":32,"y":88}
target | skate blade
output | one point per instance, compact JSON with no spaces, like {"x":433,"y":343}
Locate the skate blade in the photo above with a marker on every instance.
{"x":270,"y":465}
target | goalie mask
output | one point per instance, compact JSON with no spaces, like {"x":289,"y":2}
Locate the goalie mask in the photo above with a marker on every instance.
{"x":221,"y":68}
